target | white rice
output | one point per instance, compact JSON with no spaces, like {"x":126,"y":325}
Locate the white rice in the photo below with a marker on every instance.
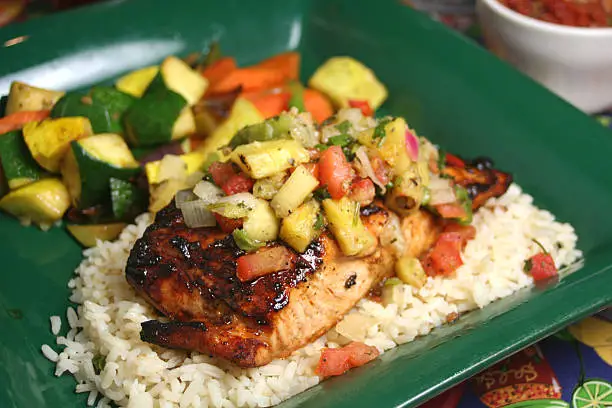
{"x":137,"y":374}
{"x":56,"y":324}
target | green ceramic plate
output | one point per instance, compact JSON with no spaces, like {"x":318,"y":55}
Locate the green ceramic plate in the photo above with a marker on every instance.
{"x":448,"y":88}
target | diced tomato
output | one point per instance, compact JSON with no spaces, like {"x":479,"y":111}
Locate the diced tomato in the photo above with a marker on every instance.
{"x":363,"y":191}
{"x":340,"y":360}
{"x":541,"y":266}
{"x":228,"y":224}
{"x":225,"y":176}
{"x":445,"y":256}
{"x":451,"y":210}
{"x":239,"y":183}
{"x":335,"y":172}
{"x":454,"y":161}
{"x":264,"y":262}
{"x":380,"y":169}
{"x":365,"y":107}
{"x":221,"y":172}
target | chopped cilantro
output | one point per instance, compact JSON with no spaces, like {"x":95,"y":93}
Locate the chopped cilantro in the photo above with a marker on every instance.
{"x":321,"y":147}
{"x":348,"y":153}
{"x":344,"y":126}
{"x":319,"y":223}
{"x":380,"y":132}
{"x":356,"y":215}
{"x":99,"y":362}
{"x":441,"y":159}
{"x":321,"y":193}
{"x":341,"y":140}
{"x":528,"y":266}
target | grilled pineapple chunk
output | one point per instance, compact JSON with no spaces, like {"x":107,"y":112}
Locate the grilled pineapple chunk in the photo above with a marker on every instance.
{"x":389,"y":138}
{"x":263,"y":159}
{"x":343,"y":79}
{"x":410,"y":271}
{"x":261,"y":224}
{"x":345,"y":223}
{"x":293,"y":193}
{"x":300,"y":228}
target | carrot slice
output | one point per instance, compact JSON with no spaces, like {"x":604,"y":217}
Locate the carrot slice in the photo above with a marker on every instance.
{"x":250,"y":79}
{"x":219,"y":69}
{"x":287,"y":62}
{"x":318,"y":105}
{"x":18,"y":119}
{"x":268,"y":103}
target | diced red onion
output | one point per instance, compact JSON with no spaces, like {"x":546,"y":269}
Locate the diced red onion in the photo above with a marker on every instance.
{"x":412,"y":145}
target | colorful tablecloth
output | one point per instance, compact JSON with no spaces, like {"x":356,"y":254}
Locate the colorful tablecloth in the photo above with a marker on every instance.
{"x":570,"y":369}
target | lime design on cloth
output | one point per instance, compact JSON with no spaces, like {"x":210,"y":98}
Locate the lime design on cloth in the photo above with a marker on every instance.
{"x":593,"y":394}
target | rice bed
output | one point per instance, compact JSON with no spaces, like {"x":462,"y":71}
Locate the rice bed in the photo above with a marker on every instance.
{"x":137,"y":374}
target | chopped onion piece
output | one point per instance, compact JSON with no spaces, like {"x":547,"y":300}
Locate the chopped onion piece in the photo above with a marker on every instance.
{"x":412,"y":145}
{"x":184,"y":196}
{"x":208,"y":192}
{"x":355,"y":326}
{"x":392,"y":235}
{"x":366,"y":165}
{"x":441,"y":191}
{"x":235,"y":206}
{"x":196,"y":214}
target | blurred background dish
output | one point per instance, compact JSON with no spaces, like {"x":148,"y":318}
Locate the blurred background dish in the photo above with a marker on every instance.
{"x":574,"y":62}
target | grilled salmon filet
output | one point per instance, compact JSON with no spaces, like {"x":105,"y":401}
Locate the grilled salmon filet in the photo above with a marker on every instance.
{"x":189,"y":276}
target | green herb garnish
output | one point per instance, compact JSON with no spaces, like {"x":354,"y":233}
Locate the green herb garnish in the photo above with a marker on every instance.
{"x":319,"y":223}
{"x":341,"y":140}
{"x":321,"y":147}
{"x":379,"y":131}
{"x":99,"y":362}
{"x":344,"y":126}
{"x":321,"y":193}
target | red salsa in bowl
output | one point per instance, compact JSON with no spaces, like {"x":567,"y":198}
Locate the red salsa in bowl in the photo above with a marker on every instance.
{"x":576,"y":13}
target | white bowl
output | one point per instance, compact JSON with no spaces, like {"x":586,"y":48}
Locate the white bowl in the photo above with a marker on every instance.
{"x":574,"y":62}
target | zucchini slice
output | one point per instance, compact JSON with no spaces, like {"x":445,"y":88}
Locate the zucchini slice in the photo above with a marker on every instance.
{"x":17,"y":163}
{"x":42,"y":202}
{"x":243,"y":113}
{"x":50,"y":139}
{"x":175,"y":75}
{"x":159,"y":117}
{"x":103,"y":106}
{"x":88,"y":235}
{"x":136,"y":82}
{"x":23,"y":97}
{"x":127,"y":200}
{"x":91,"y":163}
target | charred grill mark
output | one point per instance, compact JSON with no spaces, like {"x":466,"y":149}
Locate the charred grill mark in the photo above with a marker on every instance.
{"x":371,"y":209}
{"x":202,"y":263}
{"x":479,"y":178}
{"x":351,"y":281}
